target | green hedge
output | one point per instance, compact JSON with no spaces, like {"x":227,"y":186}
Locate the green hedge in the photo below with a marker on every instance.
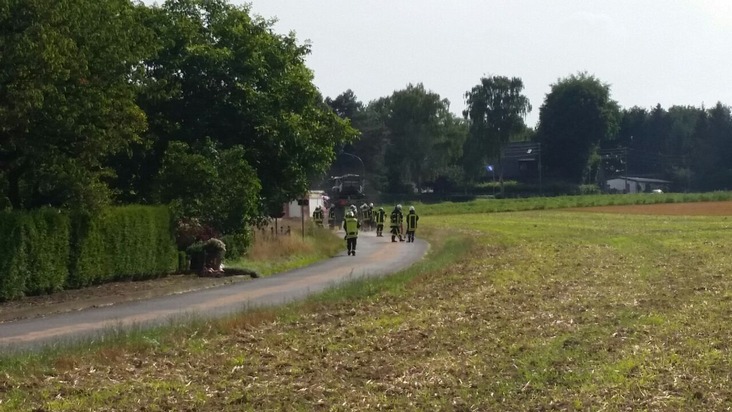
{"x":44,"y":251}
{"x":34,"y":252}
{"x":129,"y":242}
{"x":237,"y":244}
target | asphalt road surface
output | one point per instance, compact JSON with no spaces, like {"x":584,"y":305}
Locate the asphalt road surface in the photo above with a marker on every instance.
{"x":376,"y":256}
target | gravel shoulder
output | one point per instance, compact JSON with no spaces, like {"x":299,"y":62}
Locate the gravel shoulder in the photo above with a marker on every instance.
{"x":108,"y":294}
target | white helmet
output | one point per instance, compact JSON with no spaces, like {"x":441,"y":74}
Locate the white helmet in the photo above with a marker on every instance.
{"x":371,"y":205}
{"x":399,"y":207}
{"x":349,"y":214}
{"x":411,"y":208}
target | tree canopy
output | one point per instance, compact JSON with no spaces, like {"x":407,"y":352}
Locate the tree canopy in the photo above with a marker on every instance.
{"x":222,"y":74}
{"x":496,"y":109}
{"x":95,"y":93}
{"x":576,"y":116}
{"x":69,"y":75}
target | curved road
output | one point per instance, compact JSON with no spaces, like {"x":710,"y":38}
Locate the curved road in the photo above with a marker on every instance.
{"x":375,"y":257}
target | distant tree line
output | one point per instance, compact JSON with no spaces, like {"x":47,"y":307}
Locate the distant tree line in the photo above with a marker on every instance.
{"x":411,"y":141}
{"x":200,"y":105}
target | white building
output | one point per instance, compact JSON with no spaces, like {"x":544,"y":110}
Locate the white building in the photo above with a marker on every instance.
{"x":314,"y":199}
{"x":636,"y":185}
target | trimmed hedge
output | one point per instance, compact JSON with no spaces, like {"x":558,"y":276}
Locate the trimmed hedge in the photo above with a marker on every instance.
{"x":44,"y":251}
{"x":34,"y":252}
{"x":128,"y":242}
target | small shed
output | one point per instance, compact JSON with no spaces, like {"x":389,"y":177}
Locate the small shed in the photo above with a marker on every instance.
{"x":314,"y":199}
{"x":635,"y":185}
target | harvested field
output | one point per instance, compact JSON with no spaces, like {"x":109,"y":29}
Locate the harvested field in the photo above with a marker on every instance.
{"x":540,"y":310}
{"x":670,"y":209}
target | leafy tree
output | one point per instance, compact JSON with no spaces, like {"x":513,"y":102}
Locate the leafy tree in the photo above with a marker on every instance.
{"x":218,"y":187}
{"x":69,"y":73}
{"x":222,"y":74}
{"x":346,"y":105}
{"x":422,"y":136}
{"x":632,"y":128}
{"x":496,"y":109}
{"x":372,"y":142}
{"x":576,"y":116}
{"x":714,"y":149}
{"x":366,"y":149}
{"x":656,"y":143}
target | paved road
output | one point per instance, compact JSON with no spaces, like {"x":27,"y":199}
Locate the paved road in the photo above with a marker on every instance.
{"x":375,"y":257}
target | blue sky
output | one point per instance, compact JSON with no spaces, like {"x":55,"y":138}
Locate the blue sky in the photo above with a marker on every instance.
{"x":672,"y":52}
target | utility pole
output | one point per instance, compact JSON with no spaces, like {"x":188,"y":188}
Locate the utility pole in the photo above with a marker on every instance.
{"x":541,"y":188}
{"x":627,"y":187}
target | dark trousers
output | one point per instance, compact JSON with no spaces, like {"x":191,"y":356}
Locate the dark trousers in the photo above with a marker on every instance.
{"x":410,"y":235}
{"x":396,"y":232}
{"x":379,"y":229}
{"x":351,"y":244}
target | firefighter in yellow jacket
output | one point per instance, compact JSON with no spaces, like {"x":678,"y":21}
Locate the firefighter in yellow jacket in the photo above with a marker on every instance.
{"x":395,"y":222}
{"x":351,"y":226}
{"x":379,"y":217}
{"x":411,"y":219}
{"x":318,"y":216}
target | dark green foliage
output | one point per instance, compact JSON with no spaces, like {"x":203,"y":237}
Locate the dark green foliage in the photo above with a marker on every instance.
{"x":13,"y":267}
{"x":34,"y":252}
{"x":131,"y":242}
{"x":183,"y":262}
{"x":237,"y":244}
{"x":196,"y":255}
{"x":47,"y":242}
{"x":215,"y":187}
{"x":222,"y":74}
{"x":496,"y":109}
{"x":576,"y":117}
{"x":69,"y":77}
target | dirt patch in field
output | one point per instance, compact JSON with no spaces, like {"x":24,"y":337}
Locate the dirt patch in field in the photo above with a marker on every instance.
{"x":672,"y":209}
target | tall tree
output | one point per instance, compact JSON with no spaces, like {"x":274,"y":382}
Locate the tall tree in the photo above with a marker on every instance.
{"x":575,"y":117}
{"x":496,"y":109}
{"x":713,"y":149}
{"x":69,"y":73}
{"x":421,"y":136}
{"x":346,"y":105}
{"x":370,"y":146}
{"x":225,"y":75}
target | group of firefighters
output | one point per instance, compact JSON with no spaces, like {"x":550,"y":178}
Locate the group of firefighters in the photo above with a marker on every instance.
{"x":368,"y":218}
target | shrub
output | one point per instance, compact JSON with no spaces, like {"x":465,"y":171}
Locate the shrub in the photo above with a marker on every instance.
{"x":589,"y":190}
{"x":196,"y":256}
{"x":130,"y":242}
{"x":214,"y":246}
{"x":237,"y":244}
{"x":13,"y":268}
{"x":34,"y":252}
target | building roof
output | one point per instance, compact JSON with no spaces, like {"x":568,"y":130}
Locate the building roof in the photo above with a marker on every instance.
{"x":641,"y":180}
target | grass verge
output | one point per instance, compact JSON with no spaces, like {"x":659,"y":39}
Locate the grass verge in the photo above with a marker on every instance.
{"x":560,"y":202}
{"x":269,"y":255}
